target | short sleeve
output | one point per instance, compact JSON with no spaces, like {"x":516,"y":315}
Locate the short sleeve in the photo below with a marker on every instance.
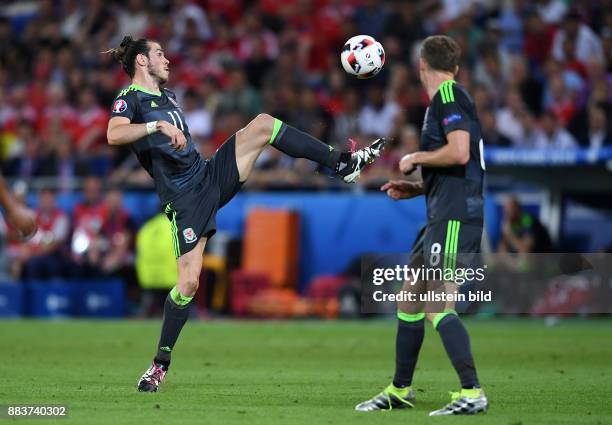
{"x":124,"y":106}
{"x":454,"y":110}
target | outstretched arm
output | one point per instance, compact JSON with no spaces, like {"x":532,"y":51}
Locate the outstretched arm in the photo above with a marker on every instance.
{"x":122,"y":132}
{"x":455,"y":152}
{"x":403,"y":189}
{"x":17,"y":214}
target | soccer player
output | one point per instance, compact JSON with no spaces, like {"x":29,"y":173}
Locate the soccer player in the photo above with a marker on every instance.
{"x":452,"y":167}
{"x":147,"y":117}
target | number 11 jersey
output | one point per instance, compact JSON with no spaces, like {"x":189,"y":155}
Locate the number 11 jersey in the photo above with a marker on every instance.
{"x":173,"y":172}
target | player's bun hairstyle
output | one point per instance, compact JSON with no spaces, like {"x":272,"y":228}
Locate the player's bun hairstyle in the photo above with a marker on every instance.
{"x":441,"y":53}
{"x":127,"y":51}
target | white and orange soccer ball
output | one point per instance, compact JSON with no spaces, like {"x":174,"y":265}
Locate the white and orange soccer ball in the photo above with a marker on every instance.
{"x":362,"y":56}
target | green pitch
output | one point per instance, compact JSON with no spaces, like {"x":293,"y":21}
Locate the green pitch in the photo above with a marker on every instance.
{"x":302,"y":372}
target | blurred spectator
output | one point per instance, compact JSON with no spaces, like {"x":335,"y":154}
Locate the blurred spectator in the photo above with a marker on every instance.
{"x":607,"y":42}
{"x":221,"y":50}
{"x":492,"y":72}
{"x":132,"y":19}
{"x":226,"y":125}
{"x":258,"y":64}
{"x":198,"y":119}
{"x":184,"y":11}
{"x":586,"y":44}
{"x":371,"y":17}
{"x":409,"y":142}
{"x":538,"y":39}
{"x":90,"y":132}
{"x":17,"y":109}
{"x":599,"y":130}
{"x":572,"y":81}
{"x":88,"y":218}
{"x":29,"y":163}
{"x":376,"y":118}
{"x":13,"y":144}
{"x":560,"y":100}
{"x":130,"y":172}
{"x":570,"y":61}
{"x":528,"y":86}
{"x":42,"y":257}
{"x":509,"y":118}
{"x":522,"y":232}
{"x":63,"y":164}
{"x":553,"y":135}
{"x":238,"y":96}
{"x":94,"y":21}
{"x":483,"y":99}
{"x":451,"y":10}
{"x":251,"y":32}
{"x":511,"y":27}
{"x":231,"y":60}
{"x":12,"y":49}
{"x":208,"y":91}
{"x":331,"y":96}
{"x":405,"y":27}
{"x":311,"y":117}
{"x":285,"y":71}
{"x":470,"y":37}
{"x":74,"y":13}
{"x":532,"y":134}
{"x":113,"y":249}
{"x":58,"y":114}
{"x":346,"y":123}
{"x":551,"y":11}
{"x":405,"y":89}
{"x":490,"y":135}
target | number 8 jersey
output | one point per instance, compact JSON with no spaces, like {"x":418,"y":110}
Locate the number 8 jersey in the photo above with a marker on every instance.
{"x":456,"y":192}
{"x":172,"y":171}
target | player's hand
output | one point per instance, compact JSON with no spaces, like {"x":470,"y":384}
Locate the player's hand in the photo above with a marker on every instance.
{"x":177,"y":139}
{"x":401,"y":189}
{"x":23,"y":219}
{"x":407,"y":164}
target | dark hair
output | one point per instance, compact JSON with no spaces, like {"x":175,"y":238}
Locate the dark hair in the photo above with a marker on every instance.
{"x":441,"y":53}
{"x":128,"y":50}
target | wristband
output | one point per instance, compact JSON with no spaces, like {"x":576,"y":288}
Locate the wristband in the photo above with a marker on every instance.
{"x":151,"y":127}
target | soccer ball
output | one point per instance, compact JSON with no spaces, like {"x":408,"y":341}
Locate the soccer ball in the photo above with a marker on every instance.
{"x":362,"y":56}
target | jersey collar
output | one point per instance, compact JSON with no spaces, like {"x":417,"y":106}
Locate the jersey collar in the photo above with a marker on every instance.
{"x":445,"y":90}
{"x":142,"y":89}
{"x":446,"y":82}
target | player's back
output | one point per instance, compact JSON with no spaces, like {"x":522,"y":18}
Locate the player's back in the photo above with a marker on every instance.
{"x":173,"y":171}
{"x":456,"y":192}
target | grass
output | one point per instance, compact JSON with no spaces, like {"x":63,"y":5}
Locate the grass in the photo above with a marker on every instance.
{"x":302,"y":372}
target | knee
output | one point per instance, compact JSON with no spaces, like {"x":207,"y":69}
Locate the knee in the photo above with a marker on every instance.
{"x":264,"y":124}
{"x":188,"y":284}
{"x":435,"y":318}
{"x":259,"y":130}
{"x":431,"y":316}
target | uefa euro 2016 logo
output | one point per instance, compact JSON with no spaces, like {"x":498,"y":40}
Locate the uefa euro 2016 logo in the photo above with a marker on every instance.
{"x":119,"y":106}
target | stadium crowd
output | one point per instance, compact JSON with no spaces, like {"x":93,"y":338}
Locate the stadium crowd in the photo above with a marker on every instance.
{"x":540,"y":73}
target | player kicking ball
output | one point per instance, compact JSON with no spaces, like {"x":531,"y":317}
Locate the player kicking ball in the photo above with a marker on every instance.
{"x":147,"y":117}
{"x":452,"y":167}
